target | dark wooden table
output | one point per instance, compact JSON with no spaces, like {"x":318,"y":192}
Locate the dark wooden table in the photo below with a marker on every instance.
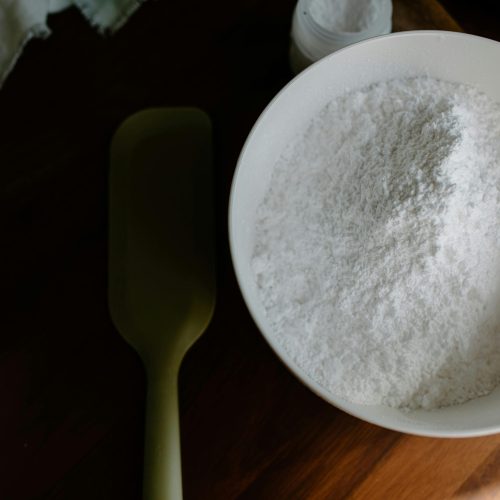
{"x":71,"y":391}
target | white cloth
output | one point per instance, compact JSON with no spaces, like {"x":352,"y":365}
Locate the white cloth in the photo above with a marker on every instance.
{"x":107,"y":15}
{"x":21,"y":20}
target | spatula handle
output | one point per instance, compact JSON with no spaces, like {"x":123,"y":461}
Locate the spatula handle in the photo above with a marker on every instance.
{"x":162,"y":459}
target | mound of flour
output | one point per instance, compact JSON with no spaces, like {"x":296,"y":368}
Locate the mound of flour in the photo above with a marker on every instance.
{"x":377,"y":245}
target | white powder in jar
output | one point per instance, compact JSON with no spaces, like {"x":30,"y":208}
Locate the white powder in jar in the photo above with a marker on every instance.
{"x":345,"y":16}
{"x":377,"y":244}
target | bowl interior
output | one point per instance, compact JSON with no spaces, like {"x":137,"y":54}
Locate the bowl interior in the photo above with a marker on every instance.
{"x":448,"y":56}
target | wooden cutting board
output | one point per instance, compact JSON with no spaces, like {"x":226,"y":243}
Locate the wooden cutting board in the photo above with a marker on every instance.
{"x":422,"y":15}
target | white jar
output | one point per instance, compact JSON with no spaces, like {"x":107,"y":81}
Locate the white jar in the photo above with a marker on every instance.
{"x":310,"y":41}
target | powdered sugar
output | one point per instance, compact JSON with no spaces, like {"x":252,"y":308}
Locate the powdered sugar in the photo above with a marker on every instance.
{"x":345,"y":15}
{"x":376,"y":253}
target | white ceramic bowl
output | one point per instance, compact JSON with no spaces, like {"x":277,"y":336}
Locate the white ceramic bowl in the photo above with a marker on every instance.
{"x":448,"y":56}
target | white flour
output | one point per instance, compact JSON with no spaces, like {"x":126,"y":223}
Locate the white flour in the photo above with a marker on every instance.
{"x":377,"y":245}
{"x":344,"y":15}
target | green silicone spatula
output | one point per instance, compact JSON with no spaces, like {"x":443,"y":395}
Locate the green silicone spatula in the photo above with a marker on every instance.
{"x":161,"y":264}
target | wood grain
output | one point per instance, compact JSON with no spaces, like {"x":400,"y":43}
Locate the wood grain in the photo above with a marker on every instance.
{"x":72,"y":391}
{"x":423,"y":14}
{"x":415,"y":466}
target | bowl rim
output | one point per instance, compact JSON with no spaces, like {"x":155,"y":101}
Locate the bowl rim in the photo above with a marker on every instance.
{"x":300,"y":375}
